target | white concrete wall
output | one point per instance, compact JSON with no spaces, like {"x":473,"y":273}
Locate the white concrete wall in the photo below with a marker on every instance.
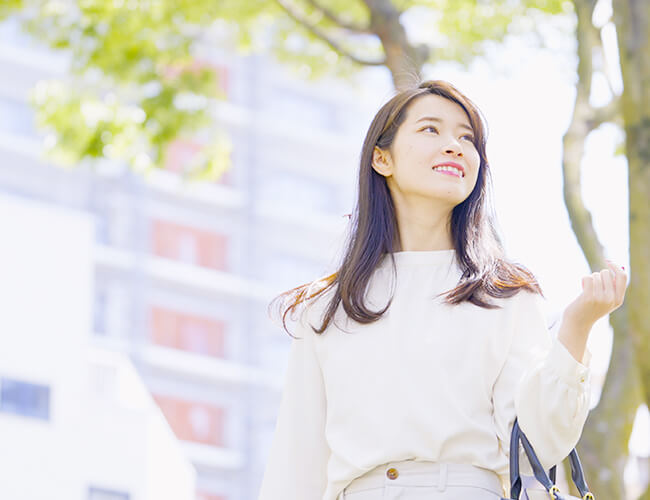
{"x":104,"y":429}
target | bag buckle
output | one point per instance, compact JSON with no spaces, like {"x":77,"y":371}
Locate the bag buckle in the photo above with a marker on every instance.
{"x":554,"y":492}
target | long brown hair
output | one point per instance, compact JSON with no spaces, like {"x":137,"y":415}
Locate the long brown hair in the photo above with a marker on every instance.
{"x":373,"y":231}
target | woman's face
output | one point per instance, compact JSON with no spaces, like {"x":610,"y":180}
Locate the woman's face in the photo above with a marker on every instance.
{"x":435,"y":132}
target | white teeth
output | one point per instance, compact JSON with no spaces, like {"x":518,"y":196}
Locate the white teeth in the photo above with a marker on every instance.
{"x":449,"y":168}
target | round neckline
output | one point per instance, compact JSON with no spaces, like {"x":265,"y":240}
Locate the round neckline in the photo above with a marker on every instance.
{"x":407,"y":257}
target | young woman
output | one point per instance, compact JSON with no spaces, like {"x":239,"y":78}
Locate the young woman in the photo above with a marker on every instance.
{"x":416,"y":356}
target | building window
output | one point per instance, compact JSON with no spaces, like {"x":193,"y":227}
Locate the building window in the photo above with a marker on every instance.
{"x":202,"y":495}
{"x":187,"y":332}
{"x":189,"y":244}
{"x":24,"y":398}
{"x":193,"y":420}
{"x":181,"y":154}
{"x":104,"y":494}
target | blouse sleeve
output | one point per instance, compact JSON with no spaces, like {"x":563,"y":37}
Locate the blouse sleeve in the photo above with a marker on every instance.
{"x":297,"y":463}
{"x":543,"y":385}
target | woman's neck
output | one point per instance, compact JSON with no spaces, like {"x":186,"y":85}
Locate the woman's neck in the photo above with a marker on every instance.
{"x":422,"y":230}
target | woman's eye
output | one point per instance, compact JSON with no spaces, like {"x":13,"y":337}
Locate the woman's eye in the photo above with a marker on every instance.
{"x":466,"y":136}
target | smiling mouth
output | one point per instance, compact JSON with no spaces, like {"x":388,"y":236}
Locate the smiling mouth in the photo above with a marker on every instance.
{"x":449,"y":170}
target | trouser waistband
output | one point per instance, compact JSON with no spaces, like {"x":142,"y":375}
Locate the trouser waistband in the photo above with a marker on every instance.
{"x":423,"y":473}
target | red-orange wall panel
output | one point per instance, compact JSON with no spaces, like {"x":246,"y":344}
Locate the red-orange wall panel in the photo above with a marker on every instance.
{"x":193,"y":421}
{"x":189,"y":244}
{"x":209,"y":496}
{"x":187,"y":332}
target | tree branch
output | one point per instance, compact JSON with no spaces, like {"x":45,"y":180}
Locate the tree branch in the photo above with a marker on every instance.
{"x":402,"y":59}
{"x":301,"y":20}
{"x":574,"y":141}
{"x":607,"y":65}
{"x":336,"y":19}
{"x":611,"y":112}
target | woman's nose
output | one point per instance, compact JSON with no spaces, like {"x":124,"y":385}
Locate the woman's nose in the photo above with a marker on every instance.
{"x":454,"y":150}
{"x":453,"y":147}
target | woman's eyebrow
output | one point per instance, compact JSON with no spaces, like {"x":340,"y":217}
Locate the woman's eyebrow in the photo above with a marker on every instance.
{"x":435,"y":119}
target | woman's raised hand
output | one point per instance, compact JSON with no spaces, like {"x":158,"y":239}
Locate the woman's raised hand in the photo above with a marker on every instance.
{"x":602,"y":293}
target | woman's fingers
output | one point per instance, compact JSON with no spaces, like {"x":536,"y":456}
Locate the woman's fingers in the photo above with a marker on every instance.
{"x":609,"y":290}
{"x":598,"y":286}
{"x":602,"y":293}
{"x":588,"y":286}
{"x":620,"y":281}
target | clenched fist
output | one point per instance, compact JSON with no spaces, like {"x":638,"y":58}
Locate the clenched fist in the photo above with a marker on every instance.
{"x":602,"y":293}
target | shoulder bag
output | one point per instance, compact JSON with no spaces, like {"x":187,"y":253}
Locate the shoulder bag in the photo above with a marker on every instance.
{"x":551,"y":491}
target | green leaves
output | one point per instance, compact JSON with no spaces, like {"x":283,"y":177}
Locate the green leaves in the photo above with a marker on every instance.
{"x":138,"y":82}
{"x":136,"y":86}
{"x":132,"y":123}
{"x":460,"y":28}
{"x":8,"y":7}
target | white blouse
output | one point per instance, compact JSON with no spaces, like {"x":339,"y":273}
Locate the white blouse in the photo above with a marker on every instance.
{"x":427,"y":381}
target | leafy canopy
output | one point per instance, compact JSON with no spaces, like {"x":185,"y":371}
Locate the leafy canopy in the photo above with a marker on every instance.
{"x":138,"y":80}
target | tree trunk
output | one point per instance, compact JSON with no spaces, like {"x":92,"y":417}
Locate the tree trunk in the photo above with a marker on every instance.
{"x":632,"y":19}
{"x":603,"y":446}
{"x":402,"y":59}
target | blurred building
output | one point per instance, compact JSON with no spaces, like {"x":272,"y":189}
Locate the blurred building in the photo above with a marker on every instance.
{"x":76,"y":421}
{"x":178,"y":278}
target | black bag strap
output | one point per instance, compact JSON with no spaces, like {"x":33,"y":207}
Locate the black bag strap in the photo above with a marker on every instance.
{"x":577,"y":474}
{"x":515,"y":478}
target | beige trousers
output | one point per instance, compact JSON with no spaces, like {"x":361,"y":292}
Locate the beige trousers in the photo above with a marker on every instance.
{"x":415,"y":480}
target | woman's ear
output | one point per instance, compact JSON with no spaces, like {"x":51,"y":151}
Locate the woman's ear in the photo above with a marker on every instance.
{"x":382,"y":162}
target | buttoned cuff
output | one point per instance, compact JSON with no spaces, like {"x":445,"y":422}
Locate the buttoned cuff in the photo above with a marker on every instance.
{"x":567,"y":368}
